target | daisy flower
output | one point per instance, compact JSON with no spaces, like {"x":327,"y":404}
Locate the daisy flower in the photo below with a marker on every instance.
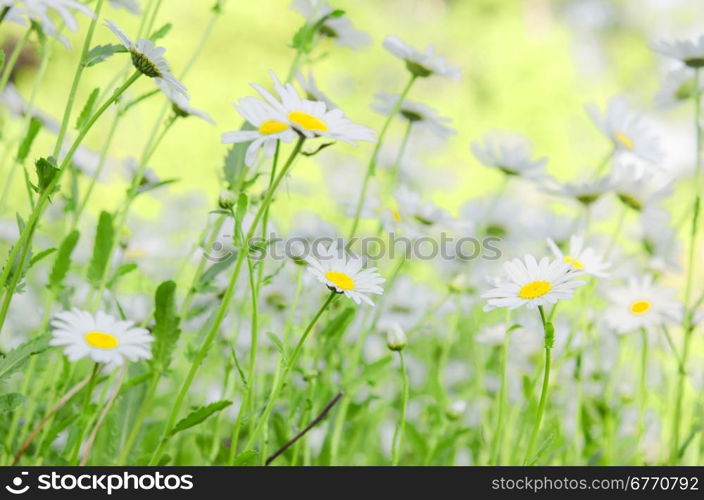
{"x":585,"y":192}
{"x":149,"y":60}
{"x":415,"y":112}
{"x":101,"y":337}
{"x":512,"y":154}
{"x":413,"y":216}
{"x":532,"y":283}
{"x":677,"y":86}
{"x":582,"y":258}
{"x":659,"y":239}
{"x":313,"y":118}
{"x":181,"y":104}
{"x":268,"y":126}
{"x":344,"y":274}
{"x":312,"y":91}
{"x":641,"y":304}
{"x":626,"y":130}
{"x":131,"y":6}
{"x":395,"y":337}
{"x":339,"y":29}
{"x":38,"y":11}
{"x":690,"y":52}
{"x":639,"y":191}
{"x":421,"y":64}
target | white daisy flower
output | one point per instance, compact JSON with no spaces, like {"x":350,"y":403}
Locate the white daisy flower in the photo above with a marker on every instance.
{"x":421,"y":64}
{"x":641,"y":304}
{"x":677,"y":86}
{"x":38,"y":11}
{"x":181,"y":104}
{"x":659,"y":239}
{"x":415,"y":112}
{"x":627,"y":130}
{"x":585,"y":192}
{"x":269,"y":124}
{"x":690,"y":52}
{"x":149,"y":60}
{"x":312,"y":91}
{"x":339,"y":29}
{"x":412,"y":215}
{"x":313,"y":118}
{"x":101,"y":337}
{"x":396,"y":338}
{"x":582,"y":258}
{"x":344,"y":274}
{"x":638,"y":191}
{"x":131,"y":6}
{"x":512,"y":154}
{"x":532,"y":283}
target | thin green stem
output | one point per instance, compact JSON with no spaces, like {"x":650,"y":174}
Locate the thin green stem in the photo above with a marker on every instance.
{"x":496,"y":442}
{"x":642,"y":387}
{"x":14,"y":56}
{"x":398,"y":437}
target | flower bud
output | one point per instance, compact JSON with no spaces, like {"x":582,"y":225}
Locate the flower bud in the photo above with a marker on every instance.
{"x":456,"y":409}
{"x":395,"y":338}
{"x":227,"y":199}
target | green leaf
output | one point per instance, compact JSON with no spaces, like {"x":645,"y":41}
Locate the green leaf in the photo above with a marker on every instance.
{"x":101,"y":52}
{"x":249,"y":457}
{"x":234,"y":168}
{"x":2,"y":58}
{"x":88,"y":108}
{"x":160,"y":33}
{"x":372,"y":371}
{"x":276,"y":341}
{"x":46,"y":172}
{"x":122,"y":271}
{"x":304,"y":39}
{"x":40,"y":256}
{"x":199,"y":415}
{"x":14,"y":359}
{"x":166,"y":325}
{"x":10,"y":401}
{"x":26,"y":145}
{"x":62,"y":263}
{"x":104,"y":237}
{"x":241,"y":209}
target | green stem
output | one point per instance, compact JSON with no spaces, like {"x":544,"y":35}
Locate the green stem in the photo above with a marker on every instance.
{"x":14,"y":56}
{"x":642,"y":389}
{"x":224,"y":305}
{"x":375,"y":153}
{"x":398,"y":438}
{"x":396,"y":169}
{"x":543,"y":393}
{"x":496,"y":444}
{"x":84,"y":414}
{"x":278,"y":386}
{"x":25,"y":240}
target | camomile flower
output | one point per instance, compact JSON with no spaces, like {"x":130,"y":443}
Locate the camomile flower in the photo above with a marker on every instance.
{"x":38,"y":11}
{"x":181,"y":104}
{"x":415,"y":112}
{"x":344,"y":274}
{"x":627,"y":130}
{"x":677,"y":86}
{"x":339,"y":29}
{"x":690,"y":52}
{"x":149,"y":60}
{"x":412,"y":215}
{"x":659,"y":239}
{"x":313,"y":118}
{"x":641,"y":304}
{"x":312,"y":91}
{"x":638,"y":191}
{"x":268,"y":124}
{"x":585,"y":192}
{"x":512,"y":154}
{"x":99,"y":336}
{"x":421,"y":64}
{"x":581,"y":258}
{"x":131,"y":6}
{"x":532,"y":283}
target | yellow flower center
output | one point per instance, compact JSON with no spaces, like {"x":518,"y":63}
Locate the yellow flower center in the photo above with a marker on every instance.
{"x":308,"y":122}
{"x":575,"y":263}
{"x":272,"y":127}
{"x":640,"y":307}
{"x":341,"y":280}
{"x":624,"y":140}
{"x":396,"y":215}
{"x":534,"y":289}
{"x":101,"y":340}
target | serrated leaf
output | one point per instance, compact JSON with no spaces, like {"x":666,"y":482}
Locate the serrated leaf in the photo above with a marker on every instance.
{"x":26,"y":145}
{"x":166,"y":327}
{"x":199,"y":415}
{"x":104,"y":237}
{"x":62,"y":263}
{"x":88,"y":108}
{"x":160,"y":33}
{"x":14,"y":359}
{"x":10,"y":401}
{"x":101,"y":52}
{"x":46,"y":172}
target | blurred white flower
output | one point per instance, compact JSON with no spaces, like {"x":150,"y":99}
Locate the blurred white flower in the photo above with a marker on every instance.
{"x":415,"y":112}
{"x":38,"y":11}
{"x":421,"y":64}
{"x":585,"y":192}
{"x":131,"y":6}
{"x":690,"y":52}
{"x":641,"y":304}
{"x":339,"y":29}
{"x":582,"y":258}
{"x":512,"y":154}
{"x":412,"y":216}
